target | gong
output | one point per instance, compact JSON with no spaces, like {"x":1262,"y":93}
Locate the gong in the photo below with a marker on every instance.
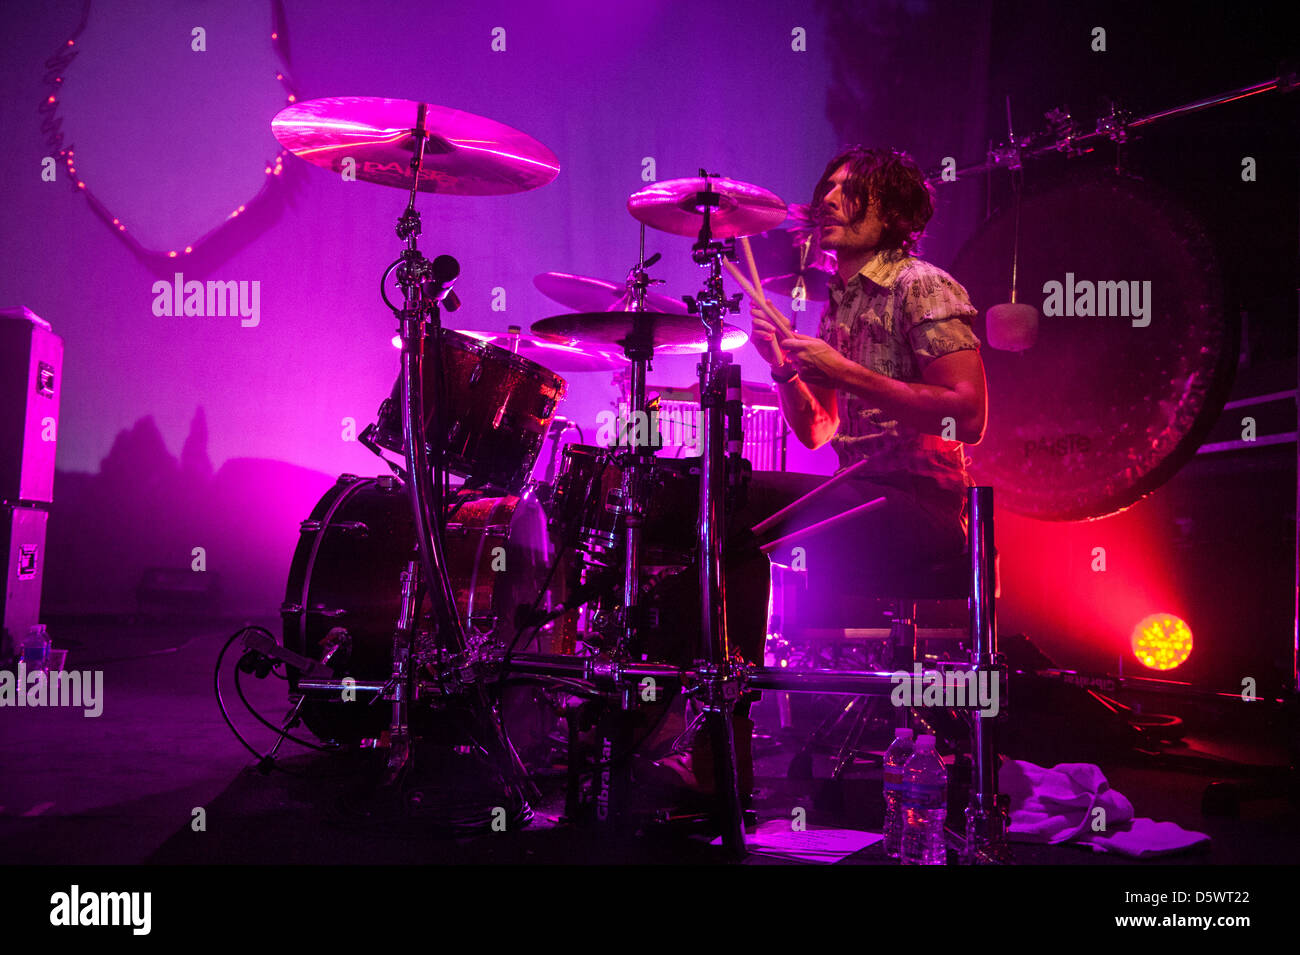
{"x":1134,"y":354}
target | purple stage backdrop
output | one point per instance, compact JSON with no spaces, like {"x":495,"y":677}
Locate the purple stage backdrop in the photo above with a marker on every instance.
{"x":168,"y":108}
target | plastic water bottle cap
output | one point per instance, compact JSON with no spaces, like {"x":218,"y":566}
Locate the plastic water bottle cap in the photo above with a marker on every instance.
{"x":903,"y":732}
{"x":925,"y":741}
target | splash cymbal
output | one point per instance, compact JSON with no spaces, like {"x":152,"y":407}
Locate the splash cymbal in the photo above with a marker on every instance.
{"x":584,"y":294}
{"x":790,"y":255}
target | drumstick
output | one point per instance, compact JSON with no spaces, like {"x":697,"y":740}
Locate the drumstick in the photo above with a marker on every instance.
{"x":762,"y":527}
{"x":753,"y":268}
{"x":743,"y":282}
{"x":782,"y":326}
{"x":823,"y":526}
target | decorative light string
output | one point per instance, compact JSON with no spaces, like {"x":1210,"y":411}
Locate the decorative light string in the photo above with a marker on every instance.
{"x":51,"y":125}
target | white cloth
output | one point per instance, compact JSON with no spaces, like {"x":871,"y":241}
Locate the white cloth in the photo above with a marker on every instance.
{"x":1061,"y":804}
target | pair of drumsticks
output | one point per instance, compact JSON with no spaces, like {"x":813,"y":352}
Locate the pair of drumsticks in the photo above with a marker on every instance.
{"x":754,"y":289}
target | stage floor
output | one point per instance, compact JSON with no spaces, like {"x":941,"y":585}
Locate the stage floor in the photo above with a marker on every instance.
{"x":123,"y":787}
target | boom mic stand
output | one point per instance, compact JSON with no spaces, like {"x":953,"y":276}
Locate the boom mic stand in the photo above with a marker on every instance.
{"x":425,"y":466}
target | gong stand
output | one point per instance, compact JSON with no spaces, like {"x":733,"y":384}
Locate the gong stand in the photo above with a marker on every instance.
{"x":420,"y":319}
{"x":1066,"y":137}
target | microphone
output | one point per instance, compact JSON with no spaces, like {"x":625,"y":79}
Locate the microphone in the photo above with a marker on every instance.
{"x":526,"y":617}
{"x":445,"y":272}
{"x":1012,"y":326}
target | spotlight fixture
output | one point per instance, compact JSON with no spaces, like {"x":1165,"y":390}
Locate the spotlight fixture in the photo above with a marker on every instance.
{"x":1162,"y":641}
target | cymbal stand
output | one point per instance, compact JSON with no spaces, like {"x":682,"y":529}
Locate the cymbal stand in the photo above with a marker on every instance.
{"x":719,"y":684}
{"x":422,"y":292}
{"x":419,"y":312}
{"x":638,"y":458}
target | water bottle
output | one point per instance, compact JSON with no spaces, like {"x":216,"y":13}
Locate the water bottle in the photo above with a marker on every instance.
{"x":925,"y":805}
{"x":895,"y":757}
{"x":34,"y":652}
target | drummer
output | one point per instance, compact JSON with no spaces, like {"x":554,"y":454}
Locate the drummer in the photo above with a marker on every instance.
{"x":894,"y":379}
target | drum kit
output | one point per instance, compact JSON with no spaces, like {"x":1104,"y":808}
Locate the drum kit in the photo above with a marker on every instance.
{"x":435,"y":599}
{"x":424,"y":594}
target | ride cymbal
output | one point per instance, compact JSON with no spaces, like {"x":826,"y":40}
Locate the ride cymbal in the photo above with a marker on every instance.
{"x":735,"y":208}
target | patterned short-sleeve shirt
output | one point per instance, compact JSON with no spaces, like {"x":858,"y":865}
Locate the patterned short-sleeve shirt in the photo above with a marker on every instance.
{"x":894,"y":317}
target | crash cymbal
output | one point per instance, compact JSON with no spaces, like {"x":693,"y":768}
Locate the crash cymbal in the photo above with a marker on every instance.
{"x":667,"y":334}
{"x":736,"y":208}
{"x":465,"y":155}
{"x":584,"y":294}
{"x":556,"y":356}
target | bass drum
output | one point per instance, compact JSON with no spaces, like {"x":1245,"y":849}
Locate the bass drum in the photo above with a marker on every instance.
{"x":347,"y":568}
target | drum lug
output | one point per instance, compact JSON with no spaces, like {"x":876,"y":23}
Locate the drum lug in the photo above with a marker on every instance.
{"x":328,"y":611}
{"x":475,"y":375}
{"x":290,"y":608}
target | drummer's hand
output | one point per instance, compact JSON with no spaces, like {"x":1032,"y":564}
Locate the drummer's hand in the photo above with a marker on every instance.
{"x":816,"y":361}
{"x":763,"y":335}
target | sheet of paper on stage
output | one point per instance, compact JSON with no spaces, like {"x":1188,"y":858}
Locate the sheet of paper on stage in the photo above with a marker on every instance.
{"x":815,"y":844}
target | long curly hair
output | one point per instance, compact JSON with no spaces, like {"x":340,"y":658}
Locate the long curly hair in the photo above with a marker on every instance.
{"x":893,"y":178}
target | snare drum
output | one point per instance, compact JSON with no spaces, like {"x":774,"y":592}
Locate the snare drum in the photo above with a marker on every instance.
{"x":498,"y":408}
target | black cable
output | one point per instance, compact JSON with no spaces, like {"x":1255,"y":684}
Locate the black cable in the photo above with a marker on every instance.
{"x":225,"y":715}
{"x":239,"y":688}
{"x":221,"y":705}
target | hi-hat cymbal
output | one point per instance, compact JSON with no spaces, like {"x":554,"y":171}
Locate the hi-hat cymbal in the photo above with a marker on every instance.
{"x":667,"y":334}
{"x":464,"y":154}
{"x":584,"y":294}
{"x":556,"y":356}
{"x":736,"y":208}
